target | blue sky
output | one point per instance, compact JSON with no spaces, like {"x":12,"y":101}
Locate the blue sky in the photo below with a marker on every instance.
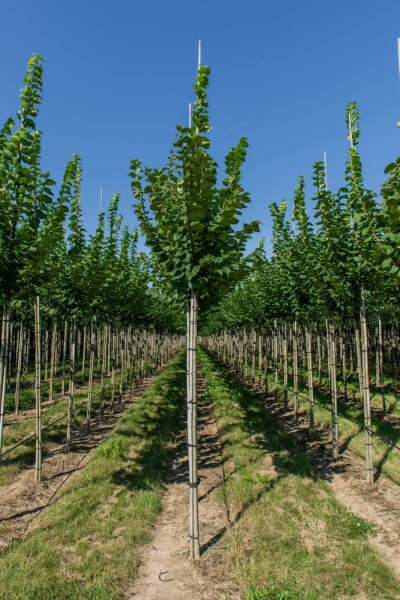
{"x":119,"y":75}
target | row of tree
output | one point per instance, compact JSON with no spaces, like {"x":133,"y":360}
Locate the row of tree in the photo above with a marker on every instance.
{"x":335,"y":276}
{"x":56,"y":284}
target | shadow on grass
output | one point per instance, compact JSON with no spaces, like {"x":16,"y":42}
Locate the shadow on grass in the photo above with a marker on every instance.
{"x":154,"y":424}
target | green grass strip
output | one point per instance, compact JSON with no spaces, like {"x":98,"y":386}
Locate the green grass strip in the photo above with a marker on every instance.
{"x":290,"y":538}
{"x":86,"y":544}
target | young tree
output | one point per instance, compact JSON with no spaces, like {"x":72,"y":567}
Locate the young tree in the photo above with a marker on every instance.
{"x":190,"y":225}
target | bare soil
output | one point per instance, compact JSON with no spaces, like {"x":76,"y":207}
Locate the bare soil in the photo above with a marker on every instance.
{"x":24,"y":499}
{"x":166,"y":573}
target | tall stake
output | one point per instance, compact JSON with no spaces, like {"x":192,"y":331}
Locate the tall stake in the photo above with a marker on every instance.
{"x":295,"y":373}
{"x":91,"y":368}
{"x":5,"y":338}
{"x":71,"y":386}
{"x":192,"y":430}
{"x":19,"y":368}
{"x":369,"y":465}
{"x":38,"y":361}
{"x":310,"y":377}
{"x":335,"y":430}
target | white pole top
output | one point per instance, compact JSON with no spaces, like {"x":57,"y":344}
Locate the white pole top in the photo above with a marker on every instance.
{"x":398,"y":53}
{"x":351,"y":132}
{"x":326,"y":171}
{"x":199,"y":55}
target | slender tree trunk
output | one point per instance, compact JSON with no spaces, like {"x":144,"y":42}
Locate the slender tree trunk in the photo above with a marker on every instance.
{"x":113,"y":350}
{"x":295,"y":373}
{"x":380,"y":364}
{"x":366,"y":394}
{"x":359,"y":362}
{"x":103,"y":372}
{"x":91,"y":368}
{"x":46,"y":354}
{"x":64,"y":357}
{"x":71,"y":386}
{"x":122,"y":361}
{"x":5,"y":340}
{"x":276,"y":380}
{"x":335,"y":428}
{"x":84,"y":344}
{"x":285,"y":368}
{"x":38,"y":399}
{"x":192,"y":431}
{"x":52,"y":360}
{"x":19,"y":368}
{"x":310,"y":379}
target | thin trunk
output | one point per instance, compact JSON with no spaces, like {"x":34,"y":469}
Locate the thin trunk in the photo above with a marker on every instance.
{"x":103,"y":372}
{"x":91,"y":368}
{"x":46,"y":354}
{"x":310,"y":379}
{"x":84,"y":353}
{"x":380,"y":364}
{"x":369,"y":465}
{"x":359,"y":362}
{"x":64,"y":357}
{"x":285,"y":368}
{"x":192,"y":431}
{"x":5,"y":340}
{"x":295,"y":373}
{"x":19,"y":368}
{"x":38,"y":399}
{"x":276,"y":359}
{"x":335,"y":428}
{"x":52,"y":360}
{"x":71,"y":386}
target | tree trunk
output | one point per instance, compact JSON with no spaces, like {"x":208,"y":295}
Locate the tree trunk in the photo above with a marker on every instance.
{"x":380,"y":364}
{"x":366,"y":394}
{"x":192,"y":430}
{"x":91,"y":368}
{"x":19,"y":368}
{"x":310,"y":379}
{"x":52,"y":360}
{"x":5,"y":340}
{"x":38,"y":399}
{"x":285,"y":368}
{"x":71,"y":386}
{"x":335,"y":429}
{"x":295,"y":373}
{"x":64,"y":357}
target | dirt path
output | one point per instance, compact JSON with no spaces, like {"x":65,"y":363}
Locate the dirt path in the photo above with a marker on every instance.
{"x":379,"y":504}
{"x":166,"y":573}
{"x":23,"y":500}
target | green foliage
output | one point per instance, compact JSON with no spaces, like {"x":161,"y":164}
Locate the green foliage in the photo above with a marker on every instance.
{"x":321,"y":266}
{"x":190,"y":225}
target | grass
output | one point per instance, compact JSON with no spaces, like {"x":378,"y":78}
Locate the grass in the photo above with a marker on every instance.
{"x":24,"y":455}
{"x":351,"y":434}
{"x":289,"y":537}
{"x":86,"y":544}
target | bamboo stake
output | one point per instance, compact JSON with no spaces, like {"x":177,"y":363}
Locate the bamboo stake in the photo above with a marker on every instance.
{"x":38,"y":365}
{"x":19,"y":368}
{"x":71,"y":386}
{"x":335,"y":430}
{"x":366,"y":394}
{"x":5,"y":338}
{"x":295,"y":373}
{"x":310,"y":379}
{"x":91,"y":368}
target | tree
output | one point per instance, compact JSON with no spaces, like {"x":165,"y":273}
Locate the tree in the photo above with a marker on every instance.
{"x":190,"y":225}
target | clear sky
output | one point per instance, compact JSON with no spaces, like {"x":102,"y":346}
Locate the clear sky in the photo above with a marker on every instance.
{"x":119,"y":75}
